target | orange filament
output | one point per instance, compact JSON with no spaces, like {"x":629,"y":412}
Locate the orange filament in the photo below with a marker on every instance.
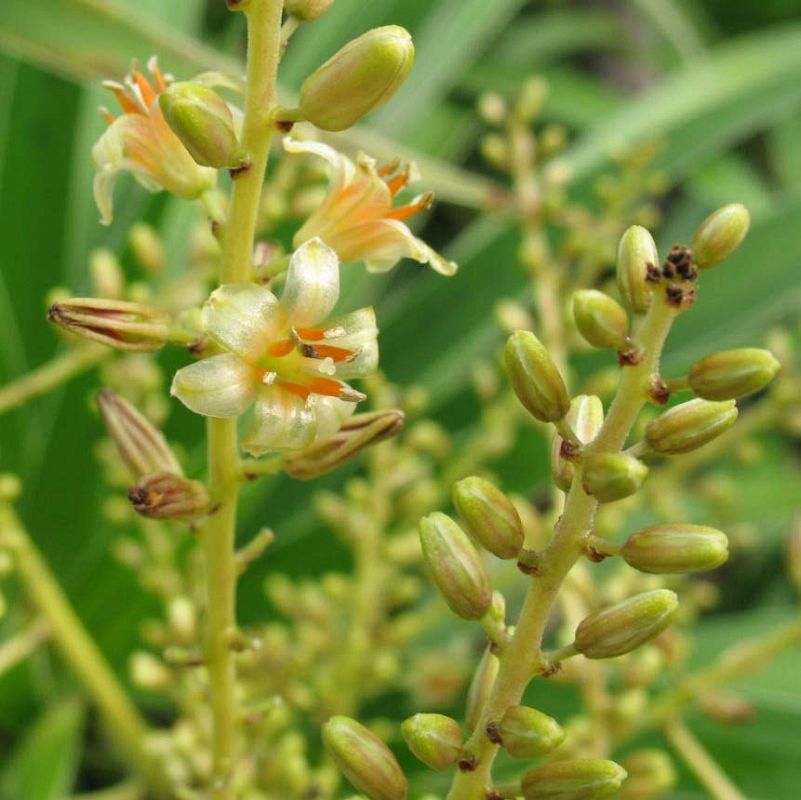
{"x":148,"y":95}
{"x":295,"y":388}
{"x":127,"y":105}
{"x":325,"y":386}
{"x":398,"y":183}
{"x":335,"y":353}
{"x":388,"y":169}
{"x":310,"y":334}
{"x":107,"y":115}
{"x":404,"y":212}
{"x":282,"y":348}
{"x":161,"y":84}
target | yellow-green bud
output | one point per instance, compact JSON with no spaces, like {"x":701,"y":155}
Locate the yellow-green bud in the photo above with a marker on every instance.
{"x":625,"y":626}
{"x":434,"y":738}
{"x":733,"y":373}
{"x":489,"y":516}
{"x":307,"y":10}
{"x":720,"y":234}
{"x":364,"y":759}
{"x":480,"y":688}
{"x":455,"y":566}
{"x":363,"y":74}
{"x":585,"y":418}
{"x":535,"y":378}
{"x":612,"y":476}
{"x":602,"y":321}
{"x":690,"y":425}
{"x":201,"y":119}
{"x":637,"y":258}
{"x":581,"y":779}
{"x":116,"y":323}
{"x":676,"y":549}
{"x":165,"y":495}
{"x":527,"y":733}
{"x":650,"y":775}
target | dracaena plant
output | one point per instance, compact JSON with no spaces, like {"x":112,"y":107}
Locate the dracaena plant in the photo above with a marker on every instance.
{"x":282,"y":379}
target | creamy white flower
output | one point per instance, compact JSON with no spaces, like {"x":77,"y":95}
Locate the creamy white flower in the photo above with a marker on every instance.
{"x":281,"y":357}
{"x":357,"y":218}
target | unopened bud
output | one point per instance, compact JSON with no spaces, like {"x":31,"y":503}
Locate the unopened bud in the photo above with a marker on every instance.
{"x":527,"y":733}
{"x":625,"y":626}
{"x":726,"y":708}
{"x":168,"y":496}
{"x":720,"y":234}
{"x":116,"y":323}
{"x":602,"y":321}
{"x":140,"y":444}
{"x":455,"y":566}
{"x":434,"y":738}
{"x":363,"y":74}
{"x":650,"y":775}
{"x":585,"y":418}
{"x":733,"y":373}
{"x":637,"y":259}
{"x":356,"y":434}
{"x":612,"y":476}
{"x":364,"y":759}
{"x":489,"y":516}
{"x":581,"y":779}
{"x":676,"y":549}
{"x":493,"y":108}
{"x":201,"y":119}
{"x":535,"y":378}
{"x":531,"y":99}
{"x":690,"y":425}
{"x":148,"y":672}
{"x":147,"y":248}
{"x":308,"y":10}
{"x":108,"y":280}
{"x":480,"y":688}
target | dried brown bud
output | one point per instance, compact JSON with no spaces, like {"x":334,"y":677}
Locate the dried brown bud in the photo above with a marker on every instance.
{"x":167,"y":496}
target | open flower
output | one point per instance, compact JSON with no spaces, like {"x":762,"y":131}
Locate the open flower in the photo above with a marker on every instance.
{"x":357,"y":218}
{"x":281,"y":357}
{"x":141,"y":142}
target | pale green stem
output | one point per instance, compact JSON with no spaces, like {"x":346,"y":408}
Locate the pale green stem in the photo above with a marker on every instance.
{"x":79,"y":650}
{"x":219,"y":535}
{"x":24,"y":644}
{"x":522,"y":659}
{"x":703,"y":766}
{"x":55,"y":372}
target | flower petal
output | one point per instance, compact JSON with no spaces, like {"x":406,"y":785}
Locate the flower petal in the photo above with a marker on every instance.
{"x":330,"y":413}
{"x":219,"y":386}
{"x":108,"y":156}
{"x":281,"y":421}
{"x":243,"y":318}
{"x":312,"y":283}
{"x":358,"y":333}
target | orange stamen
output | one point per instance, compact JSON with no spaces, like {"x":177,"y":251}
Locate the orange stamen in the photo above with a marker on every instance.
{"x":325,"y":386}
{"x":398,"y":183}
{"x":281,"y":348}
{"x":404,"y":212}
{"x":301,"y":391}
{"x":310,"y":334}
{"x":148,"y":95}
{"x":126,"y":104}
{"x":388,"y":169}
{"x":161,"y":84}
{"x":107,"y":116}
{"x":336,"y":353}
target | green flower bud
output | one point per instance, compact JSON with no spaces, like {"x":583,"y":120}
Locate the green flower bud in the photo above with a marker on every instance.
{"x":364,"y":759}
{"x":489,"y":516}
{"x":528,"y":733}
{"x":602,"y":321}
{"x":676,"y":549}
{"x":733,"y":373}
{"x":690,"y":425}
{"x":455,"y":566}
{"x":307,"y":10}
{"x":650,"y":775}
{"x":535,"y":378}
{"x":612,"y":476}
{"x":625,"y":626}
{"x":480,"y":688}
{"x":201,"y":119}
{"x":585,"y":417}
{"x":637,"y":258}
{"x":357,"y":79}
{"x":720,"y":234}
{"x":434,"y":738}
{"x":581,"y":779}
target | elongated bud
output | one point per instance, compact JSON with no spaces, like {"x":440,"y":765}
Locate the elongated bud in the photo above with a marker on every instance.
{"x":455,"y":566}
{"x":356,"y":434}
{"x":108,"y":279}
{"x":650,"y":775}
{"x":585,"y":418}
{"x":434,"y":738}
{"x":625,"y":626}
{"x":201,"y":119}
{"x":690,"y":425}
{"x":676,"y":549}
{"x":637,"y":260}
{"x":602,"y":321}
{"x":720,"y":234}
{"x":535,"y":378}
{"x":480,"y":688}
{"x":164,"y":495}
{"x":116,"y":323}
{"x":363,"y":74}
{"x":140,"y":444}
{"x":147,"y":248}
{"x":726,"y":708}
{"x":733,"y":373}
{"x":307,"y":10}
{"x":364,"y":759}
{"x":581,"y":779}
{"x":612,"y":476}
{"x":489,"y":516}
{"x":527,"y":733}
